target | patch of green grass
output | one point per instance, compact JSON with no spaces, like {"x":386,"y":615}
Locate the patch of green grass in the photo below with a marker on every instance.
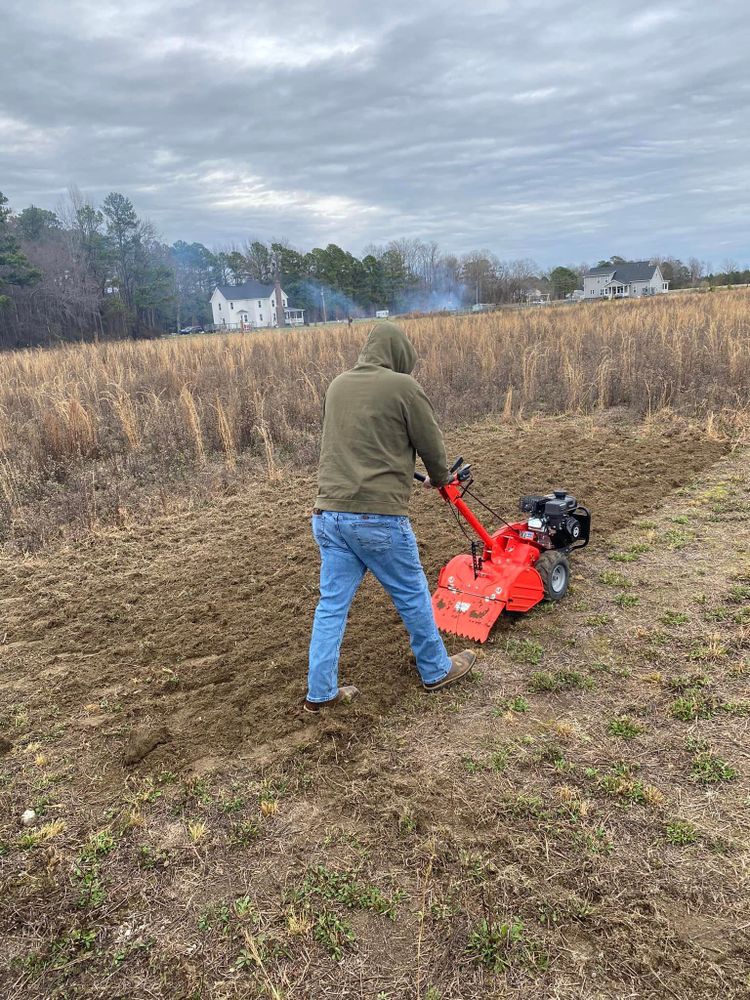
{"x":491,"y":944}
{"x":264,"y":949}
{"x":741,"y":707}
{"x":524,"y":651}
{"x":42,"y":834}
{"x":87,"y":870}
{"x":712,"y":648}
{"x":471,"y":765}
{"x":75,"y":942}
{"x":528,"y":807}
{"x":198,"y":789}
{"x":244,"y":833}
{"x":631,"y":553}
{"x":99,"y":844}
{"x":334,"y":933}
{"x":658,"y":639}
{"x":677,"y":538}
{"x":627,"y":600}
{"x":245,"y":908}
{"x":499,"y":759}
{"x":624,"y":727}
{"x":407,"y":823}
{"x":564,"y":766}
{"x":621,"y":783}
{"x":553,"y":913}
{"x":612,"y":579}
{"x":150,"y":858}
{"x":271,"y":790}
{"x":693,"y":705}
{"x":730,"y":615}
{"x":548,"y":751}
{"x":710,"y":769}
{"x":517,"y":704}
{"x":497,"y":946}
{"x":321,"y":883}
{"x":674,"y":618}
{"x":559,"y":680}
{"x":234,"y":803}
{"x":87,"y":877}
{"x":249,"y":958}
{"x":687,"y":682}
{"x":594,"y":621}
{"x":596,"y":841}
{"x":680,"y":833}
{"x":218,"y":916}
{"x":739,"y":593}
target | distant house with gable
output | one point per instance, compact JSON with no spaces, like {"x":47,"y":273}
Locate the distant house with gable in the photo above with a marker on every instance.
{"x":252,"y":305}
{"x":624,"y":281}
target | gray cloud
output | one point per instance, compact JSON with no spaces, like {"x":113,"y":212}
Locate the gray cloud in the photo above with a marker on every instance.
{"x":529,"y":128}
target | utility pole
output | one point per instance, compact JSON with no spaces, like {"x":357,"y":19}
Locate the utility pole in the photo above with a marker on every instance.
{"x":323,"y":299}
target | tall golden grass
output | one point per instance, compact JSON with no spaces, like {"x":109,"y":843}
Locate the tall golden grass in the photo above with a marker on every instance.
{"x":156,"y":409}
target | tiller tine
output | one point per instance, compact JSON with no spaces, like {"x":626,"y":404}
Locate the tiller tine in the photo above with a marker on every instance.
{"x":460,"y":614}
{"x":466,"y":602}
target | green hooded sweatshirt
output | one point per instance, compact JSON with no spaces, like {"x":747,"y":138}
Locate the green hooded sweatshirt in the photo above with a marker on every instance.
{"x":376,"y":418}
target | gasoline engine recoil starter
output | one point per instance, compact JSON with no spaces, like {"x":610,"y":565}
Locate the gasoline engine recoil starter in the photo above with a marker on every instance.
{"x":512,"y":570}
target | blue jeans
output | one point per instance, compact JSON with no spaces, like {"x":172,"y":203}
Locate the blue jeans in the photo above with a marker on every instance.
{"x":350,"y":544}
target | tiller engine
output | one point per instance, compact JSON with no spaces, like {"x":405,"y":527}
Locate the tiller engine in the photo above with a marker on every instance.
{"x":512,"y":570}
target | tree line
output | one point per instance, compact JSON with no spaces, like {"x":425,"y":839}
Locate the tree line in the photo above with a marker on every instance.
{"x":98,"y":272}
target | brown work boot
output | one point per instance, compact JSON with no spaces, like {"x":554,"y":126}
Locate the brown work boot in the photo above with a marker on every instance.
{"x":344,"y":696}
{"x":461,"y":664}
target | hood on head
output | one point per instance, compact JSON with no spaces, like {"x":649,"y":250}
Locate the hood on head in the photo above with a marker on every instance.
{"x":389,"y":347}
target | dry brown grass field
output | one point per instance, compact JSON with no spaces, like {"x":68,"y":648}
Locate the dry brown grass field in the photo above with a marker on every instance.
{"x":92,"y":435}
{"x":572,"y":824}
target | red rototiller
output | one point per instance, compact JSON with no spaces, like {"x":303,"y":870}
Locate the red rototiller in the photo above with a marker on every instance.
{"x":520,"y":565}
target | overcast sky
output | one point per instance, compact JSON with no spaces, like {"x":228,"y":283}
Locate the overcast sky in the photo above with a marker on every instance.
{"x":559,"y":131}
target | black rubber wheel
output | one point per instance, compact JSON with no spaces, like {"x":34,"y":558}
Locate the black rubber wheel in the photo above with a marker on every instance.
{"x":554,"y":569}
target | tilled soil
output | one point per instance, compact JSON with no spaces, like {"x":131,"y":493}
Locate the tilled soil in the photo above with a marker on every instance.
{"x":184,"y":643}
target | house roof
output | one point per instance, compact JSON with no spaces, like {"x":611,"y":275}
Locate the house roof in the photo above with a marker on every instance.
{"x":637,"y":270}
{"x":247,"y":290}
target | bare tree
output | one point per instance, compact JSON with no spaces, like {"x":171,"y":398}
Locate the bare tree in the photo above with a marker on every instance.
{"x":697,"y":270}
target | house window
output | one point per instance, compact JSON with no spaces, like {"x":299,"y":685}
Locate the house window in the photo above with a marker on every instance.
{"x":261,"y":317}
{"x":220,"y":307}
{"x":260,"y":304}
{"x":231,"y":305}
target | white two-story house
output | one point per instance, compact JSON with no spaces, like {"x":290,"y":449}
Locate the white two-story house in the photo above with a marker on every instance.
{"x":624,"y":281}
{"x":250,"y":306}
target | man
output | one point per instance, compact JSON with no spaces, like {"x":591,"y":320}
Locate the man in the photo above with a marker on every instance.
{"x":376,"y":418}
